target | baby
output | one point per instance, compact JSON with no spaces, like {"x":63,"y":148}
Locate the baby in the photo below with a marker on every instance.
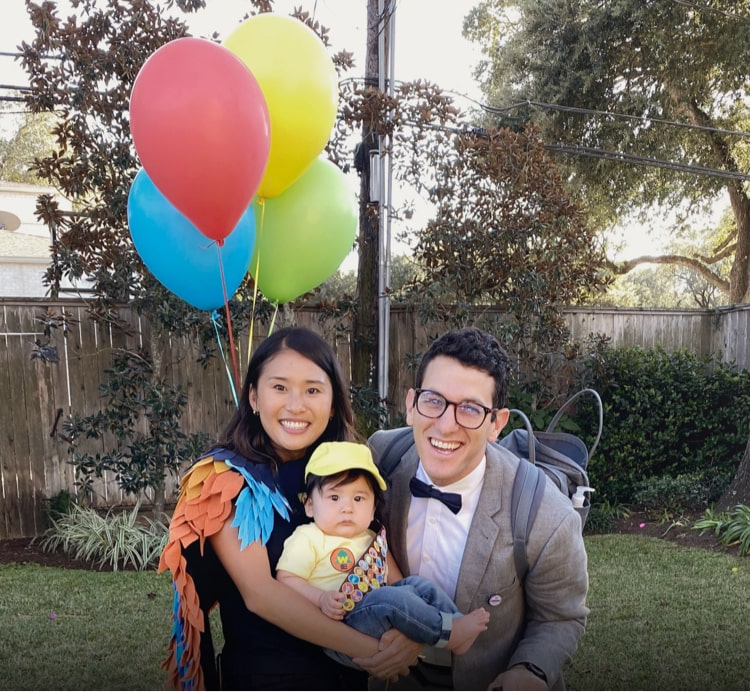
{"x":343,"y":566}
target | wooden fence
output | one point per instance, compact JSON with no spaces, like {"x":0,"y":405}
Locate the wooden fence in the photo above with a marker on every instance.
{"x":45,"y":377}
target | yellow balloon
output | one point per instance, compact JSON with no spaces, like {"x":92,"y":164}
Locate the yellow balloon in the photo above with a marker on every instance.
{"x":299,"y":82}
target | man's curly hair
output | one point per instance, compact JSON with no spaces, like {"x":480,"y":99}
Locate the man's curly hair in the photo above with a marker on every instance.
{"x":475,"y":349}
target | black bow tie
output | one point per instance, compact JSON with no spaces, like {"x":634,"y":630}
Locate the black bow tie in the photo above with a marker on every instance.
{"x":421,"y":489}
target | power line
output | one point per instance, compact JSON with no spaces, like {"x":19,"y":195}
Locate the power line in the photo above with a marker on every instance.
{"x":595,"y":152}
{"x":622,"y":116}
{"x":573,"y":149}
{"x":708,"y":8}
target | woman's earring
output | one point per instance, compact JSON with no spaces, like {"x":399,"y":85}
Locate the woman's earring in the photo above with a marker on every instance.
{"x":256,"y":412}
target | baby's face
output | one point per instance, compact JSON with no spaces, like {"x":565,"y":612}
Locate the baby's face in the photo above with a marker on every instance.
{"x":344,"y":510}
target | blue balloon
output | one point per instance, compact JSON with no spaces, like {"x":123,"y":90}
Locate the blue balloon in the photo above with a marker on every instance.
{"x":179,"y":255}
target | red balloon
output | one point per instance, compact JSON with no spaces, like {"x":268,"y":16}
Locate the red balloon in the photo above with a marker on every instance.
{"x":201,"y":128}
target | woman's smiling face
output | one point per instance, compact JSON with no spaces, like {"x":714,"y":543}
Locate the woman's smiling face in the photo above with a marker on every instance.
{"x":294,"y":399}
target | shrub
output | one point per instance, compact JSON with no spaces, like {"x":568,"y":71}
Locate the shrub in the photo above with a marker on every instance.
{"x":686,"y":492}
{"x":728,"y":527}
{"x":116,"y":539}
{"x":59,"y":505}
{"x":603,"y":515}
{"x":665,"y":415}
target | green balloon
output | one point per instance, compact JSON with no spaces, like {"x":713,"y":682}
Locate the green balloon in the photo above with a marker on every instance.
{"x":305,"y":233}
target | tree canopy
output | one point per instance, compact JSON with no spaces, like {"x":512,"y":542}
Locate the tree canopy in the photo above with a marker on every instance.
{"x":645,"y":102}
{"x":504,"y":231}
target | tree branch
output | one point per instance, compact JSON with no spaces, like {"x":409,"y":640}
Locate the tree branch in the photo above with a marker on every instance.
{"x":693,"y":263}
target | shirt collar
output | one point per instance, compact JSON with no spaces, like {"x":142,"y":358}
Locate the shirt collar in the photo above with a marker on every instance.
{"x":466,"y":485}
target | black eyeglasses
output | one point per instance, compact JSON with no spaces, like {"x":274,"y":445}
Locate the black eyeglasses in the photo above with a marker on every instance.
{"x":468,"y":414}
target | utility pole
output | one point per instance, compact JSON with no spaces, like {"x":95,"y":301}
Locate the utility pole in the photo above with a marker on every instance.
{"x":371,"y":321}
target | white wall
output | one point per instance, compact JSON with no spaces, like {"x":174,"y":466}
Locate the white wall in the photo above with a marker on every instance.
{"x":25,"y":253}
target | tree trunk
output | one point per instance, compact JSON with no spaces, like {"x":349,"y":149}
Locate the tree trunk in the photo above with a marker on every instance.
{"x":739,"y":491}
{"x":365,"y":323}
{"x":157,"y":351}
{"x":739,"y":274}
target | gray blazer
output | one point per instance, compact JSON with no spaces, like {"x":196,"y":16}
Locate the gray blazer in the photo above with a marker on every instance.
{"x":538,"y":623}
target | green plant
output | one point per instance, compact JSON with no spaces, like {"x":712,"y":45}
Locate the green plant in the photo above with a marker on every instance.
{"x":666,"y":414}
{"x":603,"y":515}
{"x":729,"y":527}
{"x":142,"y":419}
{"x":677,"y":495}
{"x":59,"y":505}
{"x":370,"y":410}
{"x":116,"y":539}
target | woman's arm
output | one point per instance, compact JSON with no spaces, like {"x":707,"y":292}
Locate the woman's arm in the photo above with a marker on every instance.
{"x":275,"y":602}
{"x":394,"y":573}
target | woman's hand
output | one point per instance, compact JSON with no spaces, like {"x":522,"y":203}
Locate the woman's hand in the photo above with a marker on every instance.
{"x":396,"y":653}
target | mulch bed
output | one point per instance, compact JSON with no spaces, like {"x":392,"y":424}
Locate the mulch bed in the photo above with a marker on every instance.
{"x":29,"y":550}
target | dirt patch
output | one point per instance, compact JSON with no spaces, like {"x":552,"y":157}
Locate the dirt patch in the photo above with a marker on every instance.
{"x":29,"y":550}
{"x":678,"y":531}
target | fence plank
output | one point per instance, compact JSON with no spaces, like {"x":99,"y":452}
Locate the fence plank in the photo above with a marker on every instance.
{"x":33,"y":464}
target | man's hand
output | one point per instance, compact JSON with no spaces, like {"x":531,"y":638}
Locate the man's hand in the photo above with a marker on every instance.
{"x":397,"y":652}
{"x":518,"y":678}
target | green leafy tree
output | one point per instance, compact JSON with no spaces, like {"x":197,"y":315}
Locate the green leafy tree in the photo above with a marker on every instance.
{"x":646,"y":102}
{"x":504,"y":232}
{"x":82,"y":69}
{"x":32,"y":140}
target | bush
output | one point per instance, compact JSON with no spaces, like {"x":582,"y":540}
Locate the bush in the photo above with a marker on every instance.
{"x":729,"y":527}
{"x":603,"y":515}
{"x":59,"y":505}
{"x":665,"y":415}
{"x":116,"y":539}
{"x":686,"y":492}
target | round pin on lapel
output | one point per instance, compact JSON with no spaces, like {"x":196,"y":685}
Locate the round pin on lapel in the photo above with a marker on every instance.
{"x":495,"y":600}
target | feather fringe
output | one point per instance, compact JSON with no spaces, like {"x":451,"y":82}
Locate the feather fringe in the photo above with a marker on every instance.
{"x":205,"y":502}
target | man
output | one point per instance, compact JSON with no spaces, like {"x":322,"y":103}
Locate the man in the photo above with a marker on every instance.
{"x":457,"y":408}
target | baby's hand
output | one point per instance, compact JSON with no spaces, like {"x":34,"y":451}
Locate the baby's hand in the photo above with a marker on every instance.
{"x":332,"y":604}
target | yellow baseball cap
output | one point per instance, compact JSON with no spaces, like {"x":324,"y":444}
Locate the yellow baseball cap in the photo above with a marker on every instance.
{"x":330,"y":458}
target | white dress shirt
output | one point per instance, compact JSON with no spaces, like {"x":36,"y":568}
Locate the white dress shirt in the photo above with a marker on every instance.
{"x":436,"y":537}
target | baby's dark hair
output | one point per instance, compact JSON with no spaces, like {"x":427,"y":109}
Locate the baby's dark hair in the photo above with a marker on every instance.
{"x":344,"y":478}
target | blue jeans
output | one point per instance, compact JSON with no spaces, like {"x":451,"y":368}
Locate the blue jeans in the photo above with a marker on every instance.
{"x":415,"y":606}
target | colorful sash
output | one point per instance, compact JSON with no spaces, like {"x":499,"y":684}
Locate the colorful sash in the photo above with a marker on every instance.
{"x":367,"y":573}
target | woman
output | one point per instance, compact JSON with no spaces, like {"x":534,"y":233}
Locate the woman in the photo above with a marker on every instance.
{"x":237,"y":505}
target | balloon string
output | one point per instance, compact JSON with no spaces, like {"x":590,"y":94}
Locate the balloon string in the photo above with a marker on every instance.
{"x":214,"y":316}
{"x":262,"y":205}
{"x":229,"y":318}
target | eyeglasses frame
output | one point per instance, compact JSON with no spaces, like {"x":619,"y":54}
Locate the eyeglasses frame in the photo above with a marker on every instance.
{"x":455,"y":404}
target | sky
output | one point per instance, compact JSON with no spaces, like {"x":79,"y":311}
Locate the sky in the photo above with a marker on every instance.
{"x":428,"y":43}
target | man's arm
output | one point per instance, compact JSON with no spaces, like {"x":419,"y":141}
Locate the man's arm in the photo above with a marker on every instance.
{"x":555,"y":589}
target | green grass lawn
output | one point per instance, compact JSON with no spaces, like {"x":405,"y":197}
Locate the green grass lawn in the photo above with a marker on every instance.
{"x":663,"y":617}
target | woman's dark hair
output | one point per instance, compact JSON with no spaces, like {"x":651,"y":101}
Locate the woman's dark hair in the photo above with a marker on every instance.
{"x":245,"y":434}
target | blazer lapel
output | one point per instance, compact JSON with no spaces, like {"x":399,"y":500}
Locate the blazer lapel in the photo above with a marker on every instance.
{"x":396,"y":511}
{"x":483,"y":534}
